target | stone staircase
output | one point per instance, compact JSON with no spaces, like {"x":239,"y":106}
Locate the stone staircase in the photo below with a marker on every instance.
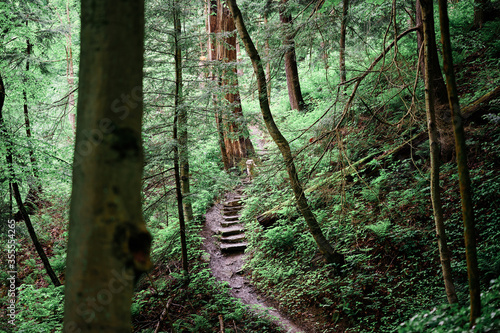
{"x":232,"y":232}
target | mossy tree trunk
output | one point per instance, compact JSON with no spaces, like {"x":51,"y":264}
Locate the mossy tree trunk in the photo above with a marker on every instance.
{"x":444,"y":252}
{"x":108,"y":244}
{"x":425,"y":12}
{"x":324,"y":246}
{"x":463,"y":169}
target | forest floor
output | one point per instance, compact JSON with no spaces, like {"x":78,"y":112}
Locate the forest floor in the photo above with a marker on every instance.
{"x":228,"y":268}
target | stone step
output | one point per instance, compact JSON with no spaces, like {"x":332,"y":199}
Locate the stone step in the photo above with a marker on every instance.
{"x":233,"y":247}
{"x":233,"y":239}
{"x":232,"y":203}
{"x":226,"y":224}
{"x":232,"y":230}
{"x":231,"y":218}
{"x":231,"y":211}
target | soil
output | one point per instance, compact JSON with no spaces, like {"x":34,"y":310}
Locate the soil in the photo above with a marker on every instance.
{"x":228,"y":267}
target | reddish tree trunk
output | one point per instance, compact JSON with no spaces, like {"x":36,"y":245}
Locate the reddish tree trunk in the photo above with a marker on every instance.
{"x":291,"y":70}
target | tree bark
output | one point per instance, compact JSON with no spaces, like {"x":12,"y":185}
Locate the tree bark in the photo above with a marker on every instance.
{"x":178,"y":119}
{"x":343,"y":73}
{"x":108,"y":246}
{"x":237,"y":145}
{"x":324,"y":246}
{"x":444,"y":252}
{"x":463,"y":169}
{"x":479,"y":17}
{"x":425,"y":12}
{"x":182,"y":117}
{"x":34,"y":190}
{"x":267,"y":50}
{"x":291,"y":70}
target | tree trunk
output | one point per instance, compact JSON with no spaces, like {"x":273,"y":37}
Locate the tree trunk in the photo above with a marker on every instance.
{"x":34,"y":190}
{"x":343,"y":73}
{"x":182,"y":117}
{"x":324,"y":246}
{"x":425,"y":12}
{"x":291,"y":70}
{"x":235,"y":144}
{"x":463,"y":170}
{"x":235,"y":141}
{"x":70,"y":73}
{"x":108,"y":244}
{"x":179,"y":118}
{"x":444,"y":252}
{"x":17,"y":195}
{"x":479,"y":10}
{"x":267,"y":50}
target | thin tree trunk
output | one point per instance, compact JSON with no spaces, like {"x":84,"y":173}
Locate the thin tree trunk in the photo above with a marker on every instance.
{"x":34,"y":191}
{"x":463,"y":169}
{"x":444,"y":252}
{"x":178,"y":97}
{"x":182,"y":118}
{"x":291,"y":70}
{"x":109,"y":245}
{"x":324,"y":246}
{"x":17,"y":194}
{"x":70,"y":73}
{"x":343,"y":73}
{"x":267,"y":50}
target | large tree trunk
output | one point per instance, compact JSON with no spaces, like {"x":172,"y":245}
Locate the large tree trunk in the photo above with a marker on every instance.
{"x":235,"y":142}
{"x":463,"y":169}
{"x":179,"y":121}
{"x":291,"y":70}
{"x":444,"y":253}
{"x":324,"y":246}
{"x":425,"y":12}
{"x":108,"y":243}
{"x":235,"y":145}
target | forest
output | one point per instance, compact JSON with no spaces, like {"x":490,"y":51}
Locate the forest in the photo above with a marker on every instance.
{"x":250,"y":166}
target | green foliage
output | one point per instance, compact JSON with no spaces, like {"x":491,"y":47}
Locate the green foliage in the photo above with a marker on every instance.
{"x":41,"y":308}
{"x":455,"y":318}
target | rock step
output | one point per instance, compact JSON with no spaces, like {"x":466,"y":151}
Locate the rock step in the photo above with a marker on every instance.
{"x":237,"y":207}
{"x":232,"y":203}
{"x":233,"y":239}
{"x":231,"y":218}
{"x":232,"y":230}
{"x":227,"y":224}
{"x":231,"y":211}
{"x":233,"y":247}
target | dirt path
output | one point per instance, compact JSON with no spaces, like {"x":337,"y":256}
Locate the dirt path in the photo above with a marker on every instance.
{"x":228,"y":268}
